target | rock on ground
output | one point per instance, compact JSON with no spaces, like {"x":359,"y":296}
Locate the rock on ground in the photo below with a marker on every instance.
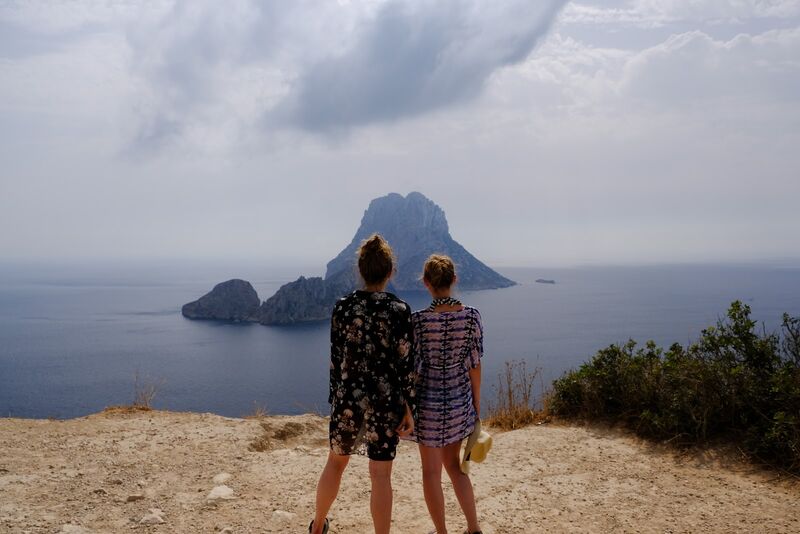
{"x":154,"y":517}
{"x":221,"y":478}
{"x":219,"y":493}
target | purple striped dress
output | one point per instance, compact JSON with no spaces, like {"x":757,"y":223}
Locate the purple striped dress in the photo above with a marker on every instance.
{"x":447,"y":346}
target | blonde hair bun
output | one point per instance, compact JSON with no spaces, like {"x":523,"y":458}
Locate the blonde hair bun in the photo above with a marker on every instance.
{"x":439,"y":271}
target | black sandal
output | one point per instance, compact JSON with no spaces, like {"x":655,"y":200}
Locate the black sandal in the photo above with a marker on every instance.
{"x":324,"y":527}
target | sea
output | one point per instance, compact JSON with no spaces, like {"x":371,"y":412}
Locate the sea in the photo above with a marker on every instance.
{"x":77,"y":338}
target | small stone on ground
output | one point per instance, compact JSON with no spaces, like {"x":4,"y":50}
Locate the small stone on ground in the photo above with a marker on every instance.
{"x":155,"y":517}
{"x":222,"y":492}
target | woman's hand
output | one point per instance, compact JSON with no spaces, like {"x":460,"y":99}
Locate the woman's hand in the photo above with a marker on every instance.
{"x":406,"y":425}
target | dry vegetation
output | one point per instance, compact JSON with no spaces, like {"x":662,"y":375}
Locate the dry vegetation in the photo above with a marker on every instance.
{"x":259,"y":412}
{"x":144,"y":391}
{"x":277,"y":432}
{"x":516,"y":405}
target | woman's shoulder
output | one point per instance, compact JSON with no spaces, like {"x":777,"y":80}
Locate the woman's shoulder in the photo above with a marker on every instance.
{"x":397,"y":304}
{"x":426,"y":314}
{"x":464,"y":309}
{"x":346,"y":302}
{"x":473,"y":314}
{"x":345,"y":299}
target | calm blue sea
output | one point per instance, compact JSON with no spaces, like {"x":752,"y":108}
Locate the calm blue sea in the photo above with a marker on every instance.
{"x":73,"y":338}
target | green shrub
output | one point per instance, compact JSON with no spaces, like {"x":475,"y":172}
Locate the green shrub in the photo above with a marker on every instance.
{"x":732,"y":383}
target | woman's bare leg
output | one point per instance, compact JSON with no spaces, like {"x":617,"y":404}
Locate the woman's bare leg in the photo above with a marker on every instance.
{"x":380,"y":501}
{"x":328,"y":488}
{"x":462,"y":485}
{"x":431,"y":458}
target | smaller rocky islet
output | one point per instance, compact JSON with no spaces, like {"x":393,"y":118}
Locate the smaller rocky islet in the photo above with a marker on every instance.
{"x":413,"y":225}
{"x":235,"y":300}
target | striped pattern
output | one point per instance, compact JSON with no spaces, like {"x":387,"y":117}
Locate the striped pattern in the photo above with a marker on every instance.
{"x":447,"y":346}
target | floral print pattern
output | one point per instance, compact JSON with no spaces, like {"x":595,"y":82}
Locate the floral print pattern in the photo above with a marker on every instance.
{"x":371,"y":374}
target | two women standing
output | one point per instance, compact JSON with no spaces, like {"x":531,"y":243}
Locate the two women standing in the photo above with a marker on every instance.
{"x":383,"y":363}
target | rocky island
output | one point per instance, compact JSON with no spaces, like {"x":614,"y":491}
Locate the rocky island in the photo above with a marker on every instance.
{"x":234,"y":300}
{"x":414,"y":226}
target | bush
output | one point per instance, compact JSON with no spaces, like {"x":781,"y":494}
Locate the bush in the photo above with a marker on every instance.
{"x":732,"y":383}
{"x":514,"y":406}
{"x":144,"y":391}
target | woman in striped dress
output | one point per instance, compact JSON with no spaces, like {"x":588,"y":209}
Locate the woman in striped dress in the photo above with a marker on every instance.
{"x":448,"y":338}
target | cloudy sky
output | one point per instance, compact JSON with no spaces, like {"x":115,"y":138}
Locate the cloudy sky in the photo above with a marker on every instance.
{"x":551,"y":132}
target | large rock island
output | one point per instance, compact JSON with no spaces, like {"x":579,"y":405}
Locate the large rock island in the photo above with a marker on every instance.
{"x":415,"y":227}
{"x":234,"y":300}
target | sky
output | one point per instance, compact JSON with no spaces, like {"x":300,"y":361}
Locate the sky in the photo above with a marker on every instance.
{"x":551,"y":132}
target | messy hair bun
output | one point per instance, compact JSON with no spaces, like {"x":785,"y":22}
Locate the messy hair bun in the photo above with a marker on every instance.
{"x":375,"y":259}
{"x":439,"y":271}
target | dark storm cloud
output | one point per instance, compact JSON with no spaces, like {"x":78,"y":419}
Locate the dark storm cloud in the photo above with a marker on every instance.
{"x":339,"y":66}
{"x":412,"y":58}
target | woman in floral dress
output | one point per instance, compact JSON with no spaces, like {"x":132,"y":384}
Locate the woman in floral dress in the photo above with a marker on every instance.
{"x":448,"y":347}
{"x":371,"y":384}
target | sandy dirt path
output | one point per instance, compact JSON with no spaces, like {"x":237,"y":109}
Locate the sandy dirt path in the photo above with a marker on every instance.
{"x":106,"y":472}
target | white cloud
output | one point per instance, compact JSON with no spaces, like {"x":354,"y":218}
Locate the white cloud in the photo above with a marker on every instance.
{"x":650,"y":13}
{"x":693,"y":68}
{"x":700,"y":10}
{"x":689,"y":72}
{"x":58,"y":16}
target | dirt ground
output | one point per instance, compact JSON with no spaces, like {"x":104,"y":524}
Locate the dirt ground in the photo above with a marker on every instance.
{"x":158,"y":471}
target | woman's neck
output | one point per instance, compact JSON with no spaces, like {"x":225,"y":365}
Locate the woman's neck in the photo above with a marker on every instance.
{"x":440,"y":293}
{"x":375,"y":288}
{"x":443,"y":302}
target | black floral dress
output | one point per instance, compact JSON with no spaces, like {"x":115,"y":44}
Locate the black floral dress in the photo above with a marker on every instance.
{"x":372,"y":373}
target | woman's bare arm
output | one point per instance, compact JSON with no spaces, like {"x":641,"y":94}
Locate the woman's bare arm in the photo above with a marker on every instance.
{"x":475,"y":384}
